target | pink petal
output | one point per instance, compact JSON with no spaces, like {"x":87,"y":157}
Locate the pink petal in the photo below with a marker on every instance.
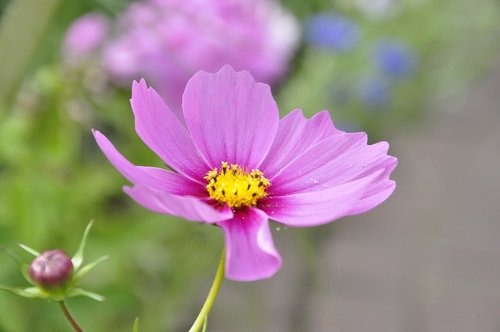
{"x":231,"y":117}
{"x":250,"y":251}
{"x":295,"y":135}
{"x":173,"y":183}
{"x":319,"y":207}
{"x":333,"y":161}
{"x":379,"y":190}
{"x":377,"y":194}
{"x":160,"y":129}
{"x":156,"y":178}
{"x":187,"y":207}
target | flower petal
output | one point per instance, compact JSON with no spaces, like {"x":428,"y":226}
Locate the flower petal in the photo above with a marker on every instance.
{"x":160,"y":129}
{"x":318,"y":207}
{"x":156,"y":178}
{"x":231,"y":117}
{"x":331,"y":162}
{"x":379,"y":190}
{"x":187,"y":207}
{"x":295,"y":135}
{"x":174,"y":183}
{"x":250,"y":251}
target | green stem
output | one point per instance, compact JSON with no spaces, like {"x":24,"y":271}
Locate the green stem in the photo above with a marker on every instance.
{"x":212,"y":295}
{"x":70,"y":318}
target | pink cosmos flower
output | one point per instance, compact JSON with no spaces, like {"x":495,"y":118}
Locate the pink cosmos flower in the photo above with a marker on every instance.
{"x":84,"y":36}
{"x":168,"y":41}
{"x":236,"y":165}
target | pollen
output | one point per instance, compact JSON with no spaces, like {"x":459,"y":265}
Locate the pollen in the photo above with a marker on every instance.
{"x":236,"y":187}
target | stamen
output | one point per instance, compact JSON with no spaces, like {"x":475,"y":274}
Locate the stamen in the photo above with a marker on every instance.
{"x":236,"y":188}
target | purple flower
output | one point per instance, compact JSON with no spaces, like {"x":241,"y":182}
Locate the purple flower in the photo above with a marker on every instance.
{"x":168,"y":41}
{"x":84,"y":36}
{"x":332,"y":31}
{"x":394,"y":58}
{"x":236,"y":165}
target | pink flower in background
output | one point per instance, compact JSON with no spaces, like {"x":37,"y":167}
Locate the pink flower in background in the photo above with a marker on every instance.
{"x":236,"y":164}
{"x":168,"y":41}
{"x":84,"y":36}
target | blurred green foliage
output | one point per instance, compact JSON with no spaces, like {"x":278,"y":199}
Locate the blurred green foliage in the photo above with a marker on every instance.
{"x":54,"y":179}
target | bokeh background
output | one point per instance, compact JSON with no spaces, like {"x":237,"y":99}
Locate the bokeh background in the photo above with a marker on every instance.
{"x":422,"y":74}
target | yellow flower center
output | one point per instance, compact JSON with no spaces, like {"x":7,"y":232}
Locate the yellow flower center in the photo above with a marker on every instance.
{"x":234,"y":186}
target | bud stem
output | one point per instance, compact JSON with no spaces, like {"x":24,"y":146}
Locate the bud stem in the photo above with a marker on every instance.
{"x":200,"y":321}
{"x":70,"y":318}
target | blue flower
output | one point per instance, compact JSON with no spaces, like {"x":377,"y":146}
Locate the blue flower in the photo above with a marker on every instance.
{"x":332,"y":31}
{"x":394,"y":58}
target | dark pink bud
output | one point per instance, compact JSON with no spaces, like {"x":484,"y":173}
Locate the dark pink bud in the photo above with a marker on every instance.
{"x":51,"y":268}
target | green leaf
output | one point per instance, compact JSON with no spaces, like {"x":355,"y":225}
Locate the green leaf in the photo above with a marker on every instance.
{"x":84,"y":270}
{"x":78,"y":258}
{"x":82,"y":292}
{"x":30,"y":292}
{"x":22,"y":266}
{"x":136,"y":325}
{"x":29,"y":250}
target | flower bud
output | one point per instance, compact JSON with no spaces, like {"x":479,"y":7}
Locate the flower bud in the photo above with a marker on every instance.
{"x":51,"y":268}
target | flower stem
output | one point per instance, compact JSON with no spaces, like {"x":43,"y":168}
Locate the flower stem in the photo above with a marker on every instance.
{"x":70,"y":318}
{"x":200,"y":321}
